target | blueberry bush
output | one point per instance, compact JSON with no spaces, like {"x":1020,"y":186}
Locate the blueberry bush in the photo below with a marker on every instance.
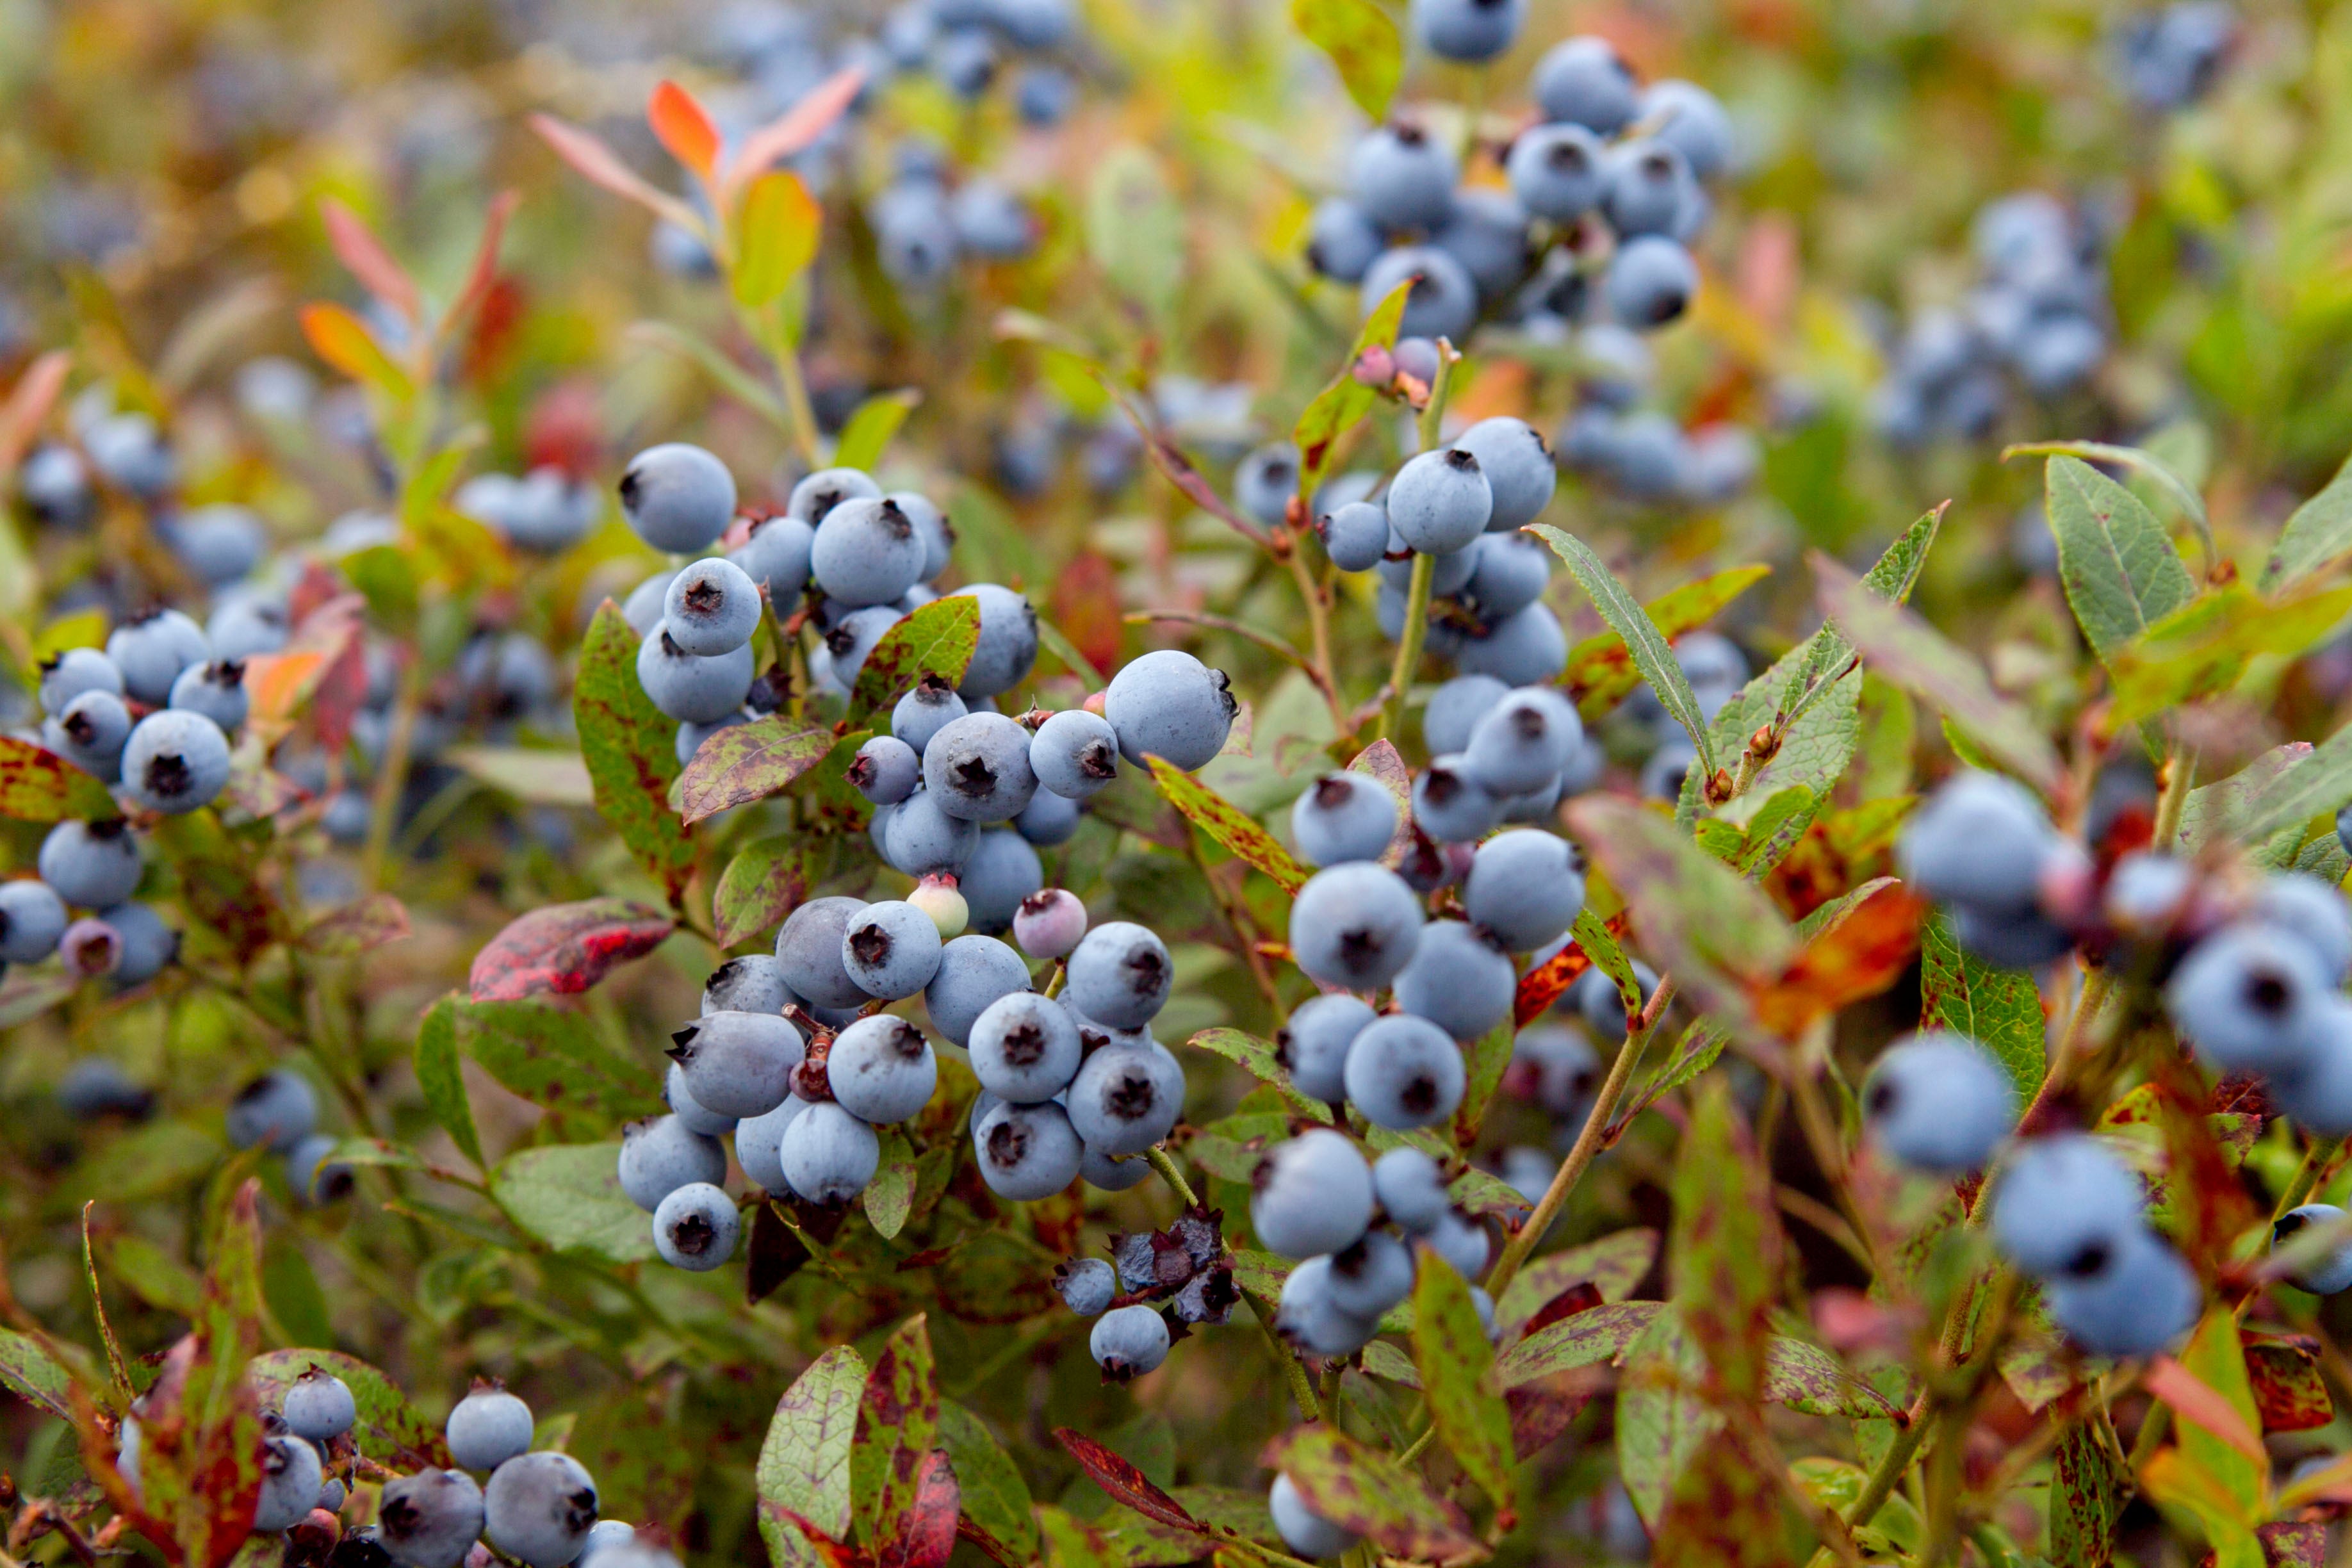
{"x":1149,"y":782}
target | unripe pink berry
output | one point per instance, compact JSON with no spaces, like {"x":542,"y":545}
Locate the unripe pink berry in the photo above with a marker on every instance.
{"x":1049,"y":923}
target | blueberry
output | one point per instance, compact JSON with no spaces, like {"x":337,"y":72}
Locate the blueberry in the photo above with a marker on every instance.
{"x":1342,"y":240}
{"x":931,"y":526}
{"x":1027,"y":1151}
{"x":1002,"y":870}
{"x":2325,"y":1275}
{"x":1403,"y":1072}
{"x":990,"y":221}
{"x":1555,"y":1067}
{"x":1025,"y":1047}
{"x":552,"y":512}
{"x":1559,"y":172}
{"x":1981,"y":839}
{"x":129,"y":450}
{"x":2009,"y":939}
{"x":1403,"y":177}
{"x":1440,"y":502}
{"x":1308,"y":1318}
{"x":890,"y":949}
{"x":1265,"y":481}
{"x":738,"y":1064}
{"x":1043,"y":95}
{"x":1049,"y":923}
{"x":91,"y":864}
{"x":809,"y":949}
{"x":710,"y":609}
{"x":1487,"y":231}
{"x":175,"y":762}
{"x":1471,"y":31}
{"x":1449,"y":805}
{"x":32,"y":919}
{"x":2140,"y":1301}
{"x":677,"y":498}
{"x":1528,"y":648}
{"x":1313,"y":1045}
{"x":539,"y":1508}
{"x":643,"y":608}
{"x":1310,"y":1195}
{"x":828,"y":1155}
{"x":1129,"y":1341}
{"x":215,"y":690}
{"x":1087,"y":1285}
{"x":692,"y":687}
{"x":696,"y":1228}
{"x":867,"y":551}
{"x":2303,"y":906}
{"x":1462,"y":1242}
{"x":1343,"y":816}
{"x":977,"y":768}
{"x":146,"y":945}
{"x":1449,"y":573}
{"x":1650,"y":282}
{"x":1649,"y":183}
{"x":1354,"y":926}
{"x":919,"y":840}
{"x":924,"y":711}
{"x":1075,"y":753}
{"x":1356,"y":536}
{"x":621,"y":1536}
{"x":754,"y":982}
{"x":1444,"y":302}
{"x":2343,"y":828}
{"x":659,"y":1156}
{"x":1686,"y":117}
{"x":1458,"y":980}
{"x":849,"y":639}
{"x":276,"y":1110}
{"x":1525,"y":886}
{"x":1008,"y":641}
{"x":1411,"y":1189}
{"x":1584,"y":83}
{"x":1523,"y":742}
{"x":776,"y":557}
{"x":430,"y":1520}
{"x":1372,"y":1276}
{"x":1602,"y":1007}
{"x":90,"y":948}
{"x":2064,"y":1205}
{"x":290,"y":1476}
{"x":1113,"y":1172}
{"x":220,"y":544}
{"x":2250,"y":998}
{"x":1127,"y":1098}
{"x":1120,"y":974}
{"x":319,"y":1407}
{"x":311,"y":1175}
{"x":1168,"y":704}
{"x":1302,"y":1530}
{"x":881,"y":1068}
{"x":885,"y":769}
{"x":67,"y":675}
{"x":55,"y":484}
{"x":2316,"y":1090}
{"x":697,"y":1116}
{"x":974,"y":971}
{"x":152,"y":650}
{"x":91,"y":733}
{"x":1939,"y":1100}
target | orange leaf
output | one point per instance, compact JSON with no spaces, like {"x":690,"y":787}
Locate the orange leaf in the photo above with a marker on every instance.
{"x":588,"y":156}
{"x":2194,"y":1399}
{"x":360,"y":251}
{"x":683,"y":128}
{"x":792,"y":130}
{"x":36,"y":392}
{"x":276,"y":684}
{"x":1858,"y":956}
{"x":343,"y":341}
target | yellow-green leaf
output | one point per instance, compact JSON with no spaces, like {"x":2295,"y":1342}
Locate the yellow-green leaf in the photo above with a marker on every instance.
{"x":776,"y":237}
{"x":1362,"y":42}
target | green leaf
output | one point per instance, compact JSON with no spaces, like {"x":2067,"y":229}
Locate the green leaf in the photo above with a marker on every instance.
{"x":39,"y":785}
{"x":732,"y":377}
{"x":995,"y":1498}
{"x":1998,"y":1008}
{"x":2120,"y":571}
{"x":2317,"y":784}
{"x":1135,"y":230}
{"x":1613,"y":1265}
{"x":937,"y":639}
{"x":2217,"y":1359}
{"x":1342,"y":406}
{"x":2207,"y":645}
{"x":1226,"y":823}
{"x":1662,"y":1421}
{"x":745,"y":763}
{"x":2316,"y":536}
{"x":867,"y":435}
{"x":2162,"y":477}
{"x":387,"y":1423}
{"x":1724,"y":1252}
{"x":1775,"y":829}
{"x":1644,"y":643}
{"x":444,"y":1085}
{"x":1600,"y":671}
{"x":536,"y":775}
{"x":1256,"y":1055}
{"x":1361,"y":41}
{"x":777,"y":236}
{"x":890,"y":1196}
{"x":1912,"y":654}
{"x":631,"y":751}
{"x":1359,"y":1489}
{"x":1451,"y":1351}
{"x":898,"y":1426}
{"x":1582,"y":1339}
{"x":568,"y":1197}
{"x":765,"y":881}
{"x":804,"y":1459}
{"x":30,"y":1373}
{"x":291,"y":1288}
{"x":555,"y":1059}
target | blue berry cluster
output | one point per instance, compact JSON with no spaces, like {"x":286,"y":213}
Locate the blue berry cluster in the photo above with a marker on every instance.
{"x":2166,"y":59}
{"x":279,"y":1111}
{"x":1601,"y":198}
{"x":1617,"y":439}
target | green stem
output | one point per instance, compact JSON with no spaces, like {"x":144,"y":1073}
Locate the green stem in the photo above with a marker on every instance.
{"x":1407,"y":653}
{"x":796,"y":401}
{"x":1419,"y":1446}
{"x":1171,"y":1175}
{"x":1588,"y":1144}
{"x":2307,"y":1175}
{"x":392,"y":776}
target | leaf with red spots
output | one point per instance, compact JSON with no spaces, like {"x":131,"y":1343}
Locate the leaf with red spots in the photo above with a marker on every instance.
{"x":1382,"y":760}
{"x":1450,"y":1352}
{"x":2088,"y":1487}
{"x":2294,"y":1542}
{"x":1226,"y":823}
{"x":357,"y":926}
{"x":564,"y":948}
{"x":1587,"y":1339}
{"x":39,"y":785}
{"x":745,"y":763}
{"x":765,"y":881}
{"x":1361,"y":1489}
{"x":1724,"y":1253}
{"x":1125,"y":1483}
{"x":1612,"y":1266}
{"x":898,"y":1426}
{"x":1547,"y":982}
{"x":2289,"y":1394}
{"x":926,"y":1534}
{"x":804,"y":1466}
{"x":631,"y":751}
{"x":556,"y":1058}
{"x":938,"y":638}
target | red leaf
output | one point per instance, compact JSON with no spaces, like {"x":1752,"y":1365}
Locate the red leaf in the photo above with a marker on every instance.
{"x":1125,"y":1483}
{"x":1085,"y":606}
{"x":564,"y":949}
{"x":360,"y":251}
{"x":480,"y":276}
{"x":683,"y":127}
{"x":2194,"y":1399}
{"x":827,"y":1551}
{"x":1382,"y":760}
{"x":925,"y":1537}
{"x":1547,"y":982}
{"x":28,"y":404}
{"x":2289,"y":1394}
{"x":588,"y":156}
{"x":793,"y":131}
{"x":1580,"y":1297}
